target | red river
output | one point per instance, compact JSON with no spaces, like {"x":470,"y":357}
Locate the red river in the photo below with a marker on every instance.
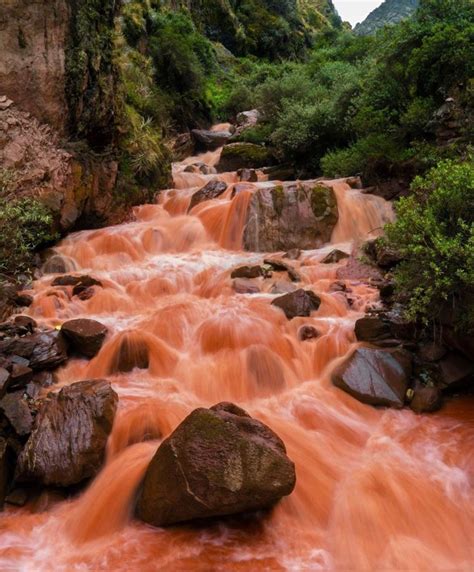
{"x":377,"y":490}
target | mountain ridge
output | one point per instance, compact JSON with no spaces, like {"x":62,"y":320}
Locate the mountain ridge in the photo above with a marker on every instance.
{"x":388,"y":13}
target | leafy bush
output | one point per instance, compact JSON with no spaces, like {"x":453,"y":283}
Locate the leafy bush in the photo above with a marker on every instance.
{"x":434,"y":233}
{"x":360,"y":156}
{"x":26,"y":226}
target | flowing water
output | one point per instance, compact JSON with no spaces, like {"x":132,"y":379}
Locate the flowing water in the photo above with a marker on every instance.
{"x":376,"y":489}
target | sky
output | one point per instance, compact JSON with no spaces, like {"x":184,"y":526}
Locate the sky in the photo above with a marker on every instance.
{"x":355,"y":11}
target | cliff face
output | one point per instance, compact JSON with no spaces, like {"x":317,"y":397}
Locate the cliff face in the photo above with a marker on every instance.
{"x":389,"y":13}
{"x":33,"y":37}
{"x":56,"y":63}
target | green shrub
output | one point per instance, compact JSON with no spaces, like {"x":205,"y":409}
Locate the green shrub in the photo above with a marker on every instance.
{"x":357,"y":158}
{"x":434,"y":233}
{"x":26,"y":226}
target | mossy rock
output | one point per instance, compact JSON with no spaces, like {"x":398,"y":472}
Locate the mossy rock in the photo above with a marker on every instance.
{"x":217,"y":462}
{"x":323,"y":203}
{"x":244,"y":155}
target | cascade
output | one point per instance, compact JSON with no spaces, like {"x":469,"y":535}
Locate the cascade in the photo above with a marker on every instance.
{"x":376,"y":489}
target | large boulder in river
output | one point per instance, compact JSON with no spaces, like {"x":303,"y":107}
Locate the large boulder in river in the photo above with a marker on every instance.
{"x":375,"y":376}
{"x":211,"y":190}
{"x":290,"y":215}
{"x":243,"y":155}
{"x":298,"y":303}
{"x":210,"y":139}
{"x":219,"y":461}
{"x":85,"y":336}
{"x":67,"y":444}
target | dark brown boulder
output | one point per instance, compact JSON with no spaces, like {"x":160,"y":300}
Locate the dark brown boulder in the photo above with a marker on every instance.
{"x":426,"y":398}
{"x":84,"y":336}
{"x":210,"y":191}
{"x":247,"y":175}
{"x":26,"y":323}
{"x":279,"y":265}
{"x":43,"y":350}
{"x":298,"y":303}
{"x":334,"y":256}
{"x":15,"y":408}
{"x":371,"y":329}
{"x":23,"y":300}
{"x":6,"y":469}
{"x":84,"y":284}
{"x":219,"y":461}
{"x":247,"y":272}
{"x":457,"y":372}
{"x":245,"y":286}
{"x":432,"y":351}
{"x":375,"y":376}
{"x":67,"y":444}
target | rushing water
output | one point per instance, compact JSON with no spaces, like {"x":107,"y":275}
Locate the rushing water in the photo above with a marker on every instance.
{"x":376,"y":489}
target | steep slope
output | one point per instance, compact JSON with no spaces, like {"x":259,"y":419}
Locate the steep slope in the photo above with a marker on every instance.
{"x":389,"y":13}
{"x":266,"y":28}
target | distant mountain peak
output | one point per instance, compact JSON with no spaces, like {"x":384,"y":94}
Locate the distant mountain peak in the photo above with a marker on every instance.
{"x":388,"y":13}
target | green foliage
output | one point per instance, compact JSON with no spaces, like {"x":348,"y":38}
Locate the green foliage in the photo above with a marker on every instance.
{"x":91,"y":74}
{"x":361,"y":103}
{"x":361,"y":156}
{"x":26,"y":226}
{"x":434,"y":233}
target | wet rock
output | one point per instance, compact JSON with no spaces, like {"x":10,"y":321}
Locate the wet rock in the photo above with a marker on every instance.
{"x":84,"y":284}
{"x":20,"y":375}
{"x":280,"y":265}
{"x":26,"y":323}
{"x":338,"y":287}
{"x":247,"y":119}
{"x":84,"y":336}
{"x":210,"y":139}
{"x":432,"y":352}
{"x":283,"y":287}
{"x":298,"y":303}
{"x":6,"y":469}
{"x":307,"y":332}
{"x":16,"y":410}
{"x":219,"y":461}
{"x":247,"y":272}
{"x":212,"y":190}
{"x":426,"y":398}
{"x":43,"y":350}
{"x":67,"y":444}
{"x":4,"y":380}
{"x":23,"y":300}
{"x":290,"y":215}
{"x":245,"y":286}
{"x":457,"y":372}
{"x":183,"y":146}
{"x":237,"y":156}
{"x":334,"y":256}
{"x":375,"y":376}
{"x":371,"y":329}
{"x":247,"y":175}
{"x":17,"y":497}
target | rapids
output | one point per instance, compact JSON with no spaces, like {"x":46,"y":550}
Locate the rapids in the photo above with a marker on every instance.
{"x":376,"y":489}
